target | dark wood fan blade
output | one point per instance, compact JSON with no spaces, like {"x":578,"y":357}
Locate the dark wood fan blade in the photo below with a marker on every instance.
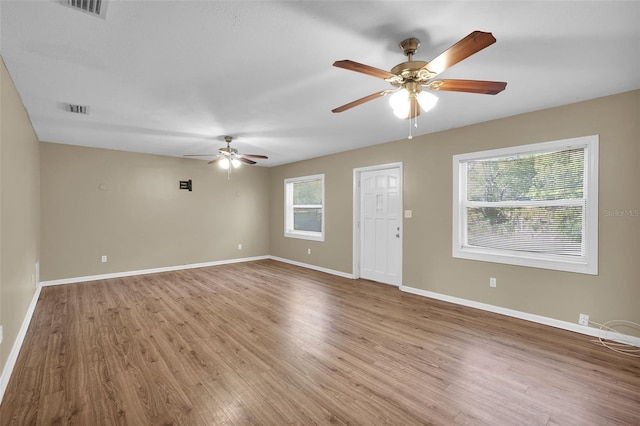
{"x":246,"y":160}
{"x":360,"y":101}
{"x":365,"y":69}
{"x":254,"y":156}
{"x":471,"y":86}
{"x":473,"y":43}
{"x":199,"y":155}
{"x":215,"y":160}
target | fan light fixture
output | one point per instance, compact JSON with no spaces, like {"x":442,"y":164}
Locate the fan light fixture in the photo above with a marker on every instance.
{"x":400,"y":101}
{"x":225,"y":163}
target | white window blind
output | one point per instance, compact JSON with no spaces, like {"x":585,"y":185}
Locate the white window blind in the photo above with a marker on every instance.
{"x":530,"y":205}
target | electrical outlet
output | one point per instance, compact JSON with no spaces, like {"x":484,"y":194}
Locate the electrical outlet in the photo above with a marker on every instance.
{"x":492,"y":282}
{"x":583,"y":319}
{"x":308,"y":251}
{"x":104,"y":259}
{"x":239,"y":246}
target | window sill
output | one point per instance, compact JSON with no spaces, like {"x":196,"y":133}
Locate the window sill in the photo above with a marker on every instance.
{"x":313,"y":236}
{"x":512,"y":258}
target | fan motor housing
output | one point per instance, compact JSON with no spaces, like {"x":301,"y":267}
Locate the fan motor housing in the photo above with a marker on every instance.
{"x":228,"y":150}
{"x":410,"y":70}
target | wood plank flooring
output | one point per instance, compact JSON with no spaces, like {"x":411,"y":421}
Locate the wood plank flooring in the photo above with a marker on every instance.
{"x":268,"y":343}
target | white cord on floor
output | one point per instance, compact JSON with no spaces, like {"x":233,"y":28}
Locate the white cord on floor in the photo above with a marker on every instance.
{"x":612,"y":339}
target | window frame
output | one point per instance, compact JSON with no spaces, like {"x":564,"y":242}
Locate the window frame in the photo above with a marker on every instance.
{"x":585,"y":264}
{"x":289,"y":232}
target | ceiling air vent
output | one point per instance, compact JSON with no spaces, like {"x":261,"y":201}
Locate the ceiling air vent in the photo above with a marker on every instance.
{"x":92,"y":7}
{"x":76,"y":109}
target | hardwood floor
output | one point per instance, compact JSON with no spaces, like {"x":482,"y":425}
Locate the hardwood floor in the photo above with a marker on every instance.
{"x":270,"y":343}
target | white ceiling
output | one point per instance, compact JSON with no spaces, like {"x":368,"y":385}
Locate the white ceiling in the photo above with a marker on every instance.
{"x":174,"y":77}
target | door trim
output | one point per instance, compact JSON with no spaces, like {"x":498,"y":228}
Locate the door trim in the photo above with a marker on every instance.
{"x":356,"y":212}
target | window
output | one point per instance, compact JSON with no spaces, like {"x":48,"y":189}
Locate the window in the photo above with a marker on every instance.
{"x":304,"y":207}
{"x":533,"y":205}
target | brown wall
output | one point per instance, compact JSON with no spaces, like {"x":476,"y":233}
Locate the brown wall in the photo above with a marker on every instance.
{"x":428,"y":264}
{"x":140,"y":219}
{"x":19,"y":212}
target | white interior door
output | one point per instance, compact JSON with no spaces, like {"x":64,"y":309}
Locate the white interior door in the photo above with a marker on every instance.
{"x":380,"y":225}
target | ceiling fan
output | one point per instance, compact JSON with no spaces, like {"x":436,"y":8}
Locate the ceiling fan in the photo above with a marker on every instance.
{"x":410,"y":77}
{"x":228,"y":157}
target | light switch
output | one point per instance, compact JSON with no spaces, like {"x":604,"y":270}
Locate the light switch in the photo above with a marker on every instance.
{"x":408,"y":214}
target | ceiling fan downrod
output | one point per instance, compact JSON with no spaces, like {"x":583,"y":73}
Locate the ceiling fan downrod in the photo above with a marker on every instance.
{"x":410,"y":47}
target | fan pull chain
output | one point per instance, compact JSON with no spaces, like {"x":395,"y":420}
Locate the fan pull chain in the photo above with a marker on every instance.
{"x":415,"y":121}
{"x":410,"y":114}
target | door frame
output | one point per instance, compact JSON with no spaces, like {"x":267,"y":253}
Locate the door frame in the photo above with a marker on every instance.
{"x":356,"y":213}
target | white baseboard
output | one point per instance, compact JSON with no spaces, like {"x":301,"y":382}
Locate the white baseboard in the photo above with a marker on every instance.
{"x":565,"y":325}
{"x":314,"y":267}
{"x":17,"y":344}
{"x":189,"y":266}
{"x":15,"y":350}
{"x":149,"y":271}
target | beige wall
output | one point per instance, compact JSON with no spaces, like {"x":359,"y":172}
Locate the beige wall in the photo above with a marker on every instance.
{"x":428,"y":264}
{"x":140,"y":219}
{"x":19,"y":212}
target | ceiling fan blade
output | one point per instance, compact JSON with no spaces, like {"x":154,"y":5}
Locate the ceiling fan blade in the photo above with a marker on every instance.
{"x":216,"y":160}
{"x":254,"y":156}
{"x":199,"y":155}
{"x":471,"y":86}
{"x":360,"y":101}
{"x":365,"y":69}
{"x":246,"y":160}
{"x":473,"y":43}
